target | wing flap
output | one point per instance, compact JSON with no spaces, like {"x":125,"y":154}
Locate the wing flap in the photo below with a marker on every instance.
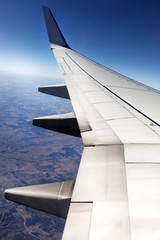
{"x":101,"y":188}
{"x":78,"y":222}
{"x":101,"y":175}
{"x":143,"y":182}
{"x":142,"y":153}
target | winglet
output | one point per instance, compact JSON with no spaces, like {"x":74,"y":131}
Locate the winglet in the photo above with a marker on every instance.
{"x":55,"y":36}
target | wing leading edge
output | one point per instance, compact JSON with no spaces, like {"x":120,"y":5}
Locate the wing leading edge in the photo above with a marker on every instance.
{"x":116,"y":193}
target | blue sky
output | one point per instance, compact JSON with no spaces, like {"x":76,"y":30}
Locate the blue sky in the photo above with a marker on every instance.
{"x":122,"y":35}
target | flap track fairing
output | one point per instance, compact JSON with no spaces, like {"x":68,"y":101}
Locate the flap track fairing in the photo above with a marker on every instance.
{"x":64,"y":123}
{"x":53,"y":198}
{"x":59,"y":90}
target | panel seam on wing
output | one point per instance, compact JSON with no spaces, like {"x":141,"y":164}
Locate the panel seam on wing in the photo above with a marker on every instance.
{"x":113,"y":92}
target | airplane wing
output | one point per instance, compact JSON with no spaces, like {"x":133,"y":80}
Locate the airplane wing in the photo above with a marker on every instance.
{"x":116,"y":194}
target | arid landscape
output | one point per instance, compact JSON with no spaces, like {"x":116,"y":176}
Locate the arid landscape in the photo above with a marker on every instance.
{"x":31,"y":155}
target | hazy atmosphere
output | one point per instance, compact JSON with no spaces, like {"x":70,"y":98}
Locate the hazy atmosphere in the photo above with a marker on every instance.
{"x":122,"y":35}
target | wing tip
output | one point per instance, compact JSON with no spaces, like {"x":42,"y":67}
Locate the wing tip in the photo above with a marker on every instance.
{"x":54,"y":33}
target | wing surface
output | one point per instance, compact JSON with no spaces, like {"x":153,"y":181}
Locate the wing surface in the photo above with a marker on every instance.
{"x":116,"y":194}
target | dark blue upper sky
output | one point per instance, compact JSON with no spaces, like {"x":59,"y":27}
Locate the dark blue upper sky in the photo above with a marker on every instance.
{"x":122,"y":35}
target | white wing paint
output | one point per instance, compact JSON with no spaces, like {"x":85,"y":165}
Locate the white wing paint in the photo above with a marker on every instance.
{"x":117,"y":190}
